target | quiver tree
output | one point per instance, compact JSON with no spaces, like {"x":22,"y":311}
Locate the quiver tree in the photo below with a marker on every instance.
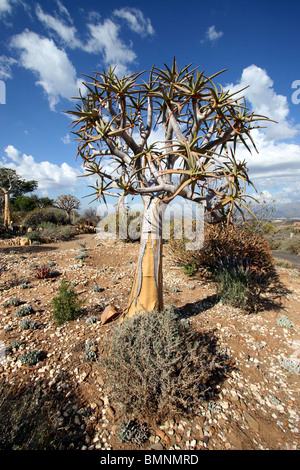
{"x":202,"y":127}
{"x":68,"y":203}
{"x":11,"y":184}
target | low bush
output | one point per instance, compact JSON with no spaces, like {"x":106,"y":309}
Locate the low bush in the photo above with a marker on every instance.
{"x":52,"y":214}
{"x":238,"y":260}
{"x":158,"y":365}
{"x":65,"y":306}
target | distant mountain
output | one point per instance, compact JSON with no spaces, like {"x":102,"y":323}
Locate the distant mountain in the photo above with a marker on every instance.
{"x":287,"y":211}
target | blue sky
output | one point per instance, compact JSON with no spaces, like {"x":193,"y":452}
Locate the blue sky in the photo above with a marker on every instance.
{"x":45,"y":47}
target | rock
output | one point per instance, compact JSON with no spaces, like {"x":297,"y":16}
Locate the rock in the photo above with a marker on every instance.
{"x":157,"y":446}
{"x":108,"y":314}
{"x":25,"y":241}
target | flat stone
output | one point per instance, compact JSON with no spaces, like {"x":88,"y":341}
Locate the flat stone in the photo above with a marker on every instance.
{"x":108,"y":314}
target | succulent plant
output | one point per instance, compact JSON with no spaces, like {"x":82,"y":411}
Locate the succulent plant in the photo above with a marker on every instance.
{"x":132,"y":431}
{"x":27,"y":324}
{"x":24,"y":310}
{"x":31,"y":358}
{"x":82,"y":255}
{"x":92,"y":319}
{"x":284,"y":322}
{"x":97,"y":288}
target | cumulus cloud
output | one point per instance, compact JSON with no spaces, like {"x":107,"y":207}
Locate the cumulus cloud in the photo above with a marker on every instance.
{"x":5,"y":6}
{"x":135,"y":20}
{"x":56,"y":74}
{"x":66,"y":139}
{"x":67,"y":33}
{"x":265,"y":101}
{"x":48,"y":175}
{"x":105,"y":38}
{"x":212,"y":34}
{"x":276,"y":166}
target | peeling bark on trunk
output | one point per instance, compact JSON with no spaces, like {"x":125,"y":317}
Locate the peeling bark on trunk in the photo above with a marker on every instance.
{"x":147,"y":289}
{"x":7,"y":210}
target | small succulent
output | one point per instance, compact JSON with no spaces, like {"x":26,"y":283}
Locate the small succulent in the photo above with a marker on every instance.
{"x":51,"y":263}
{"x":24,"y":310}
{"x":24,"y":284}
{"x":42,"y":272}
{"x":290,"y":366}
{"x":14,"y":301}
{"x":82,"y":255}
{"x":90,"y":354}
{"x":31,"y":358}
{"x":97,"y":288}
{"x":13,"y":345}
{"x":92,"y":319}
{"x":27,"y":324}
{"x":284,"y":322}
{"x":132,"y":431}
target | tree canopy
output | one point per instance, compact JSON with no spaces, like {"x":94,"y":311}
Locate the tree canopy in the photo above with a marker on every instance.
{"x":199,"y":125}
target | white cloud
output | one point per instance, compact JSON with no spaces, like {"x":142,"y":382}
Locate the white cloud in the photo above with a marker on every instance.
{"x":64,"y":11}
{"x":48,"y":175}
{"x":276,"y":168}
{"x":265,"y":101}
{"x":67,"y":33}
{"x":212,"y":34}
{"x":135,"y":20}
{"x":5,"y":6}
{"x":5,"y":67}
{"x":105,"y":39}
{"x":66,"y":139}
{"x":55,"y":72}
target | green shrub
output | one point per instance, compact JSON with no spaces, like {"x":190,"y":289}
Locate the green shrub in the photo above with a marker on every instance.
{"x":65,"y":306}
{"x":158,"y":365}
{"x":52,"y":214}
{"x":240,"y":261}
{"x":232,"y":287}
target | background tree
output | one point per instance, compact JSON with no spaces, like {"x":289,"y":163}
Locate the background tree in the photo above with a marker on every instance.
{"x":12,"y":185}
{"x":67,"y":202}
{"x":202,"y":127}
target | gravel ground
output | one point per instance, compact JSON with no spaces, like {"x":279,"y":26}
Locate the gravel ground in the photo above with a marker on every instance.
{"x":63,"y":398}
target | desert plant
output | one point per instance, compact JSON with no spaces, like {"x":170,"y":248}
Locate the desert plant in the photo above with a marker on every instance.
{"x":31,"y":358}
{"x":90,"y":353}
{"x":24,"y":310}
{"x":284,"y":322}
{"x":97,"y":288}
{"x":203,"y":128}
{"x":132,"y":431}
{"x":14,"y":345}
{"x":159,"y":365}
{"x":27,"y":324}
{"x":12,"y":301}
{"x":43,"y":271}
{"x":91,"y":320}
{"x":65,"y":306}
{"x":82,"y":255}
{"x":51,"y":214}
{"x":238,"y":259}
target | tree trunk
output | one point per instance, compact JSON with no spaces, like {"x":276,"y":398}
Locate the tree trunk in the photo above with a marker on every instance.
{"x":7,"y":210}
{"x":147,"y":290}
